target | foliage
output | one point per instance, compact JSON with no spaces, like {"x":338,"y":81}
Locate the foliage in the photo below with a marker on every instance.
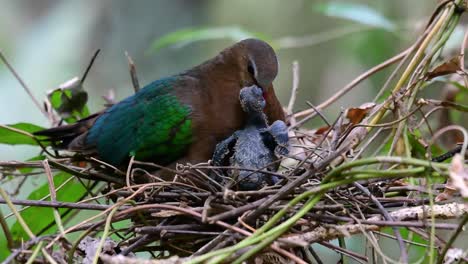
{"x":69,"y":100}
{"x":18,"y":134}
{"x":70,"y":191}
{"x":355,"y":12}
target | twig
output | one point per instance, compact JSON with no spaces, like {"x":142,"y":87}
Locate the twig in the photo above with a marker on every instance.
{"x":445,"y":211}
{"x":23,"y":223}
{"x":18,"y":216}
{"x":6,"y":231}
{"x":89,"y":176}
{"x":288,"y":188}
{"x":133,"y":74}
{"x":53,"y":196}
{"x":81,"y":206}
{"x":158,"y":229}
{"x":326,"y":219}
{"x":43,"y":198}
{"x":403,"y":61}
{"x":447,"y":155}
{"x":127,"y":175}
{"x":141,"y":241}
{"x":462,"y":130}
{"x":23,"y":84}
{"x":104,"y":234}
{"x":70,"y":229}
{"x":406,"y":240}
{"x":415,"y":60}
{"x":452,"y":239}
{"x":85,"y":74}
{"x":25,"y":245}
{"x":307,"y":118}
{"x":35,"y":252}
{"x":186,"y":211}
{"x":237,"y":211}
{"x":310,"y":251}
{"x":295,"y":86}
{"x":404,"y":254}
{"x":351,"y":254}
{"x":353,"y":83}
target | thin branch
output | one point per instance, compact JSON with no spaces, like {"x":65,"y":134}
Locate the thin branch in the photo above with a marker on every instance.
{"x":81,"y":206}
{"x":6,"y":231}
{"x":133,"y":74}
{"x":295,"y":86}
{"x":452,"y":239}
{"x":462,"y":56}
{"x":23,"y":84}
{"x":354,"y":83}
{"x":85,"y":74}
{"x":53,"y":196}
{"x":446,"y":211}
{"x":346,"y":252}
{"x":20,"y":219}
{"x":404,"y":254}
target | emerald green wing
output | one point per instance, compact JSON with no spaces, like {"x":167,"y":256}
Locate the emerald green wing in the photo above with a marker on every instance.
{"x":150,"y":125}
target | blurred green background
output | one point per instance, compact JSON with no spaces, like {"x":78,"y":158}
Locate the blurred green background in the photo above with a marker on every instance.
{"x":49,"y":42}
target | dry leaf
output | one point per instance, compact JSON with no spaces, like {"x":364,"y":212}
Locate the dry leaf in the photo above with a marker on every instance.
{"x":447,"y":194}
{"x":399,"y":183}
{"x":321,"y":130}
{"x":319,"y":134}
{"x":448,"y":67}
{"x":356,"y":114}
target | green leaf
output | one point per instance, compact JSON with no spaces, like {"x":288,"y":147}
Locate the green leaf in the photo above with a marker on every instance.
{"x":386,"y":148}
{"x":39,"y":218}
{"x":418,"y":150}
{"x":463,"y":89}
{"x":69,"y":100}
{"x":4,"y":251}
{"x":356,"y":12}
{"x":17,"y":134}
{"x":186,"y":36}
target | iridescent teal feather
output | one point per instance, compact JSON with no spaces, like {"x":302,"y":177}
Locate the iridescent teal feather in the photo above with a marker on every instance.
{"x":157,"y":126}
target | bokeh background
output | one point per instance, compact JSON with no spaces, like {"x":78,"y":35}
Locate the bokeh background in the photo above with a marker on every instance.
{"x":49,"y":42}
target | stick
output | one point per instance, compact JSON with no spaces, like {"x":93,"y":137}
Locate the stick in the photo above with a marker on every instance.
{"x":133,"y":74}
{"x":23,"y":84}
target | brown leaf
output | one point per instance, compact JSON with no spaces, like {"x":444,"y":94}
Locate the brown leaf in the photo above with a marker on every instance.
{"x":318,"y":134}
{"x":321,"y":130}
{"x":399,"y":183}
{"x":356,"y":115}
{"x":448,"y":67}
{"x":447,"y":194}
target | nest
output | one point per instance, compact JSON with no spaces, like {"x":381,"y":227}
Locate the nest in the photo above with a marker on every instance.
{"x":372,"y":167}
